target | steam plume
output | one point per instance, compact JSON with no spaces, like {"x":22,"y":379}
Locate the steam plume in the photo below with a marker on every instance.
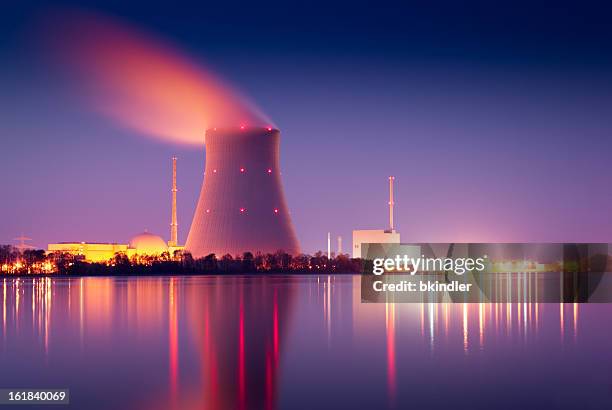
{"x":144,"y":84}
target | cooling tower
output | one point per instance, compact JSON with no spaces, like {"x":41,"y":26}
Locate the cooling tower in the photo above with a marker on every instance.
{"x":242,"y":206}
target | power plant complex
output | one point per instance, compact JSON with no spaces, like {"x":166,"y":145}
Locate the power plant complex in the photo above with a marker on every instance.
{"x":242,"y":207}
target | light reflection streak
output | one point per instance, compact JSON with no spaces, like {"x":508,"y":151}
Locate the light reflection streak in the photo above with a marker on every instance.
{"x":561,"y":321}
{"x":4,"y":309}
{"x":81,"y":323}
{"x":422,"y":319}
{"x":269,"y":392}
{"x":524,"y":320}
{"x":575,"y":320}
{"x":33,"y":304}
{"x":537,"y":317}
{"x":481,"y":325}
{"x":529,"y":311}
{"x":446,"y":307}
{"x":518,"y":316}
{"x":241,"y":355}
{"x":17,"y":304}
{"x":173,"y":340}
{"x":437,"y":317}
{"x":329,"y":309}
{"x":209,"y":363}
{"x":390,"y":328}
{"x":275,"y":334}
{"x":48,"y":291}
{"x":39,"y":297}
{"x":465,"y":328}
{"x":496,"y":317}
{"x":324,"y":300}
{"x":508,"y":318}
{"x":430,"y":312}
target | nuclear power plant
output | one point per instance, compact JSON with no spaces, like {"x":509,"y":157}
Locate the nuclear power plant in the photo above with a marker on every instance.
{"x":242,"y":206}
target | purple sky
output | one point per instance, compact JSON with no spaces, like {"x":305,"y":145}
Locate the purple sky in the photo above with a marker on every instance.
{"x":482,"y":149}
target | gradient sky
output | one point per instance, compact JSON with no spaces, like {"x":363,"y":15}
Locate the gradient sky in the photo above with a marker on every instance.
{"x":496,"y":120}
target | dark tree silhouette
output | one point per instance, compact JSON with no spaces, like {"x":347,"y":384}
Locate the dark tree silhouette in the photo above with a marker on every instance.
{"x":64,"y":263}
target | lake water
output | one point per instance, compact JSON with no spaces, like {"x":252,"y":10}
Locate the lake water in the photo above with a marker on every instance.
{"x":305,"y":342}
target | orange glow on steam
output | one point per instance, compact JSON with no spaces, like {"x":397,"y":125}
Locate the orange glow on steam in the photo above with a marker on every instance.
{"x":145,"y":85}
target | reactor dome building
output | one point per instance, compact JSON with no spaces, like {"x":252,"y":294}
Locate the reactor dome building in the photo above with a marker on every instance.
{"x":242,"y":206}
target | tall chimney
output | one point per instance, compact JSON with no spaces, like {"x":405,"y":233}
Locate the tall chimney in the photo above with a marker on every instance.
{"x":174,"y":224}
{"x":391,"y":203}
{"x":328,"y":245}
{"x":339,"y":245}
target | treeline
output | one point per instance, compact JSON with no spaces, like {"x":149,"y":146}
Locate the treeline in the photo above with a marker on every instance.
{"x":13,"y":260}
{"x":181,"y":263}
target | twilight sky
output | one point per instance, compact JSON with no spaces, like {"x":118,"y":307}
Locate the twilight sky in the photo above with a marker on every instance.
{"x":496,"y":120}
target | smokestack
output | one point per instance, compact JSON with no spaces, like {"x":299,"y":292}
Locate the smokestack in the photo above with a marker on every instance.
{"x":339,"y":245}
{"x":173,"y":224}
{"x":391,"y":203}
{"x":328,"y":245}
{"x":242,"y":206}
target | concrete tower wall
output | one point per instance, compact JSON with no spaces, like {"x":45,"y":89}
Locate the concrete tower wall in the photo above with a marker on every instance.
{"x":242,"y":206}
{"x":173,"y":223}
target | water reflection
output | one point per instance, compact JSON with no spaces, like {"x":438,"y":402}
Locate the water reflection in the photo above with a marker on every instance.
{"x":272,"y":342}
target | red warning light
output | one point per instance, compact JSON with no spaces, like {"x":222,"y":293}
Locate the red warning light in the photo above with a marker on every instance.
{"x":242,"y":127}
{"x":275,"y":210}
{"x":241,"y":169}
{"x":242,"y":209}
{"x":269,"y":128}
{"x":215,"y":171}
{"x":208,"y":211}
{"x":269,"y":170}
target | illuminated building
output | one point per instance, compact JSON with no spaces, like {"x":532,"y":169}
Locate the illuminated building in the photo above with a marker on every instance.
{"x":91,"y":252}
{"x":144,"y":244}
{"x":242,"y":206}
{"x":372,"y":236}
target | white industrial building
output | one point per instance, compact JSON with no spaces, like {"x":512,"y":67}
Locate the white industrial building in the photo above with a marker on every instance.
{"x":377,"y":235}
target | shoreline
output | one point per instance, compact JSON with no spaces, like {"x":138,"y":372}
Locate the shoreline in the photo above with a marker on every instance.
{"x":131,"y":275}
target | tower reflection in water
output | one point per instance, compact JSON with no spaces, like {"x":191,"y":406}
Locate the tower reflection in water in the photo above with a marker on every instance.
{"x":219,"y":339}
{"x":255,"y":341}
